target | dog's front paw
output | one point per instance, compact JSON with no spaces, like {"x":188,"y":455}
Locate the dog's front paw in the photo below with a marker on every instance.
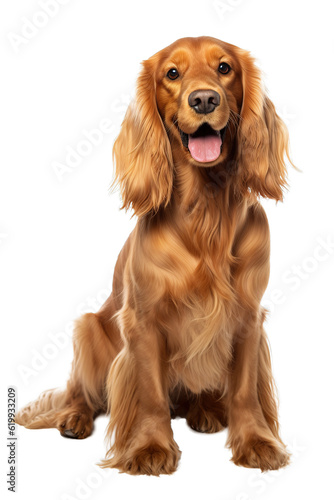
{"x":261,"y":453}
{"x":152,"y":460}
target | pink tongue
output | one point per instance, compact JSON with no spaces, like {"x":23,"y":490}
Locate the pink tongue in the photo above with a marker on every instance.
{"x":205,"y":149}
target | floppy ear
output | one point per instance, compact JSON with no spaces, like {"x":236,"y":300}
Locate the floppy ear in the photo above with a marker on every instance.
{"x":263,"y":141}
{"x":142,"y":152}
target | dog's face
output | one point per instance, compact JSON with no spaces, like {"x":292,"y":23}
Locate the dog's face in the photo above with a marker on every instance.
{"x":199,"y":97}
{"x":199,"y":103}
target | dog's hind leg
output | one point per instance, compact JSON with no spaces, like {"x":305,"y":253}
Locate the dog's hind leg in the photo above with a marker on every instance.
{"x":96,"y":343}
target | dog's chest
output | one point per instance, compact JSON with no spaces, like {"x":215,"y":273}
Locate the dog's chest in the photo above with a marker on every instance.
{"x":200,"y":342}
{"x":194,"y":311}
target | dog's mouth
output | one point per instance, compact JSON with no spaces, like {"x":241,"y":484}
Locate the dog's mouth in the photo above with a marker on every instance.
{"x":206,"y":144}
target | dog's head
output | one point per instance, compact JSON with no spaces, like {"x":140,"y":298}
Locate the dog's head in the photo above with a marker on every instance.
{"x":199,"y":102}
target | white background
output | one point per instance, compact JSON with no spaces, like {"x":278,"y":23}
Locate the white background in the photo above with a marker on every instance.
{"x":59,"y":238}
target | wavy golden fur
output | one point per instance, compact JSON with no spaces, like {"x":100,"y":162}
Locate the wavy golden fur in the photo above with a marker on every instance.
{"x":182,"y":332}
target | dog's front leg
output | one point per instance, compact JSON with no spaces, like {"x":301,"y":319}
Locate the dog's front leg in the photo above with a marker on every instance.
{"x":253,"y":420}
{"x":138,"y":402}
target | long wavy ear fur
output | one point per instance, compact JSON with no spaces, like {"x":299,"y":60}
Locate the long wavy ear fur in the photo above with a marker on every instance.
{"x":142,"y":152}
{"x":263,"y":141}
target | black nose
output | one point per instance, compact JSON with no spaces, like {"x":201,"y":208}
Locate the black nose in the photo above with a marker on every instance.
{"x":204,"y":101}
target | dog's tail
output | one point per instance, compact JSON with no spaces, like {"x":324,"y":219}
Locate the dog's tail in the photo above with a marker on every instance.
{"x":43,"y":412}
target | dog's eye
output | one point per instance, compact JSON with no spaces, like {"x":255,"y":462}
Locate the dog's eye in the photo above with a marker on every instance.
{"x":172,"y":74}
{"x":224,"y":68}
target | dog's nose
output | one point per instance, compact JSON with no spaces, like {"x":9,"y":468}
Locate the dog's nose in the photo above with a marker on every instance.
{"x":204,"y":101}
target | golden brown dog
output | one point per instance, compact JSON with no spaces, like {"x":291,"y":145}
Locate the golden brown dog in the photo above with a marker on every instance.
{"x":182,"y":332}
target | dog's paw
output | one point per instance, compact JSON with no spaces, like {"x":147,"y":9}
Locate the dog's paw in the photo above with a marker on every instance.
{"x":204,"y":421}
{"x":264,"y":454}
{"x":152,"y":460}
{"x":75,"y":424}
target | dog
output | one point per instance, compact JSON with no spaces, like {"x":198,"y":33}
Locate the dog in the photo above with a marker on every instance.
{"x":181,"y":334}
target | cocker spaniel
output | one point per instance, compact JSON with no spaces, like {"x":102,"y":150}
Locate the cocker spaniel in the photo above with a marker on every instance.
{"x":182,"y":332}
